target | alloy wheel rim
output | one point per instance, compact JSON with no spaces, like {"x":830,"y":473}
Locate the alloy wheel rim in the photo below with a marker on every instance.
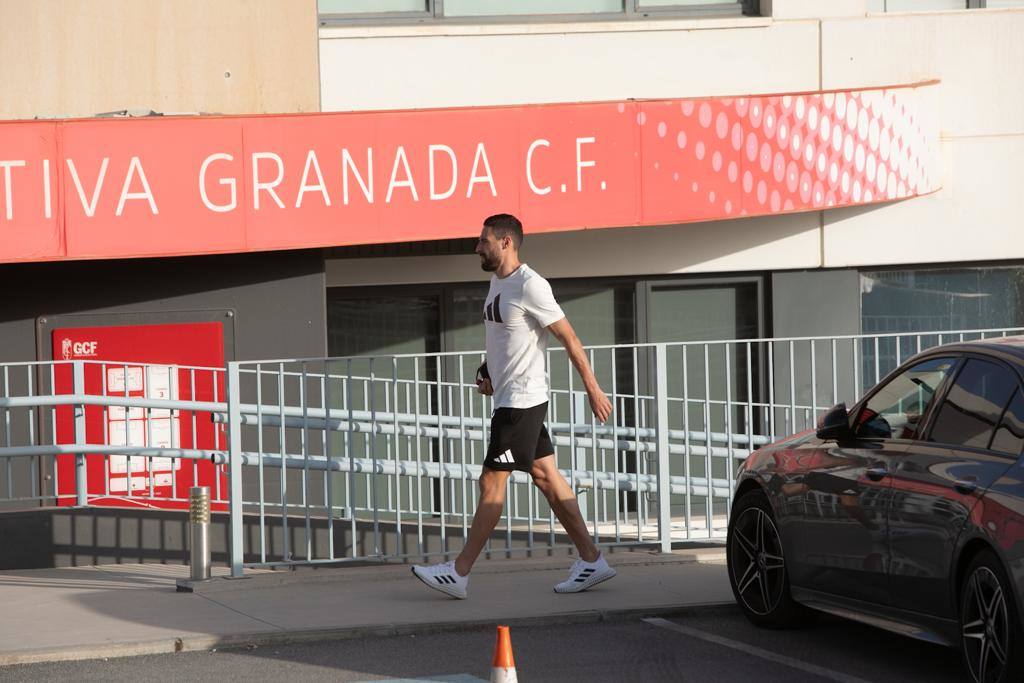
{"x":758,"y":566}
{"x":985,"y":626}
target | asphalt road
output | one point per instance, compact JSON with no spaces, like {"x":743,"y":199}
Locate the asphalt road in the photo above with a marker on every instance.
{"x":710,"y":645}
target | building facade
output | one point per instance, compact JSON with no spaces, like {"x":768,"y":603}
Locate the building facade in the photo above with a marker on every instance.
{"x":950,"y":258}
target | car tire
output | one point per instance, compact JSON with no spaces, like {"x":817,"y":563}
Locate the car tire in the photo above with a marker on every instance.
{"x":757,"y":567}
{"x":990,"y":631}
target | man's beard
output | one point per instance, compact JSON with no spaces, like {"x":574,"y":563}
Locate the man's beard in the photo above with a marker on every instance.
{"x":488,"y":263}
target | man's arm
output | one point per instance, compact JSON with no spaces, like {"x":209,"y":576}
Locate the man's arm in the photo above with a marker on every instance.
{"x":599,"y":403}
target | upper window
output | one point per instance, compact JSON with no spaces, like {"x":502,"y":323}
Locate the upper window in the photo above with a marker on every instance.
{"x":937,"y":5}
{"x":974,"y":406}
{"x":417,"y":11}
{"x":895,"y":410}
{"x":931,"y":300}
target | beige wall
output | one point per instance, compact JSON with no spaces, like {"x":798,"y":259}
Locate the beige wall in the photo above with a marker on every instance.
{"x":82,"y":57}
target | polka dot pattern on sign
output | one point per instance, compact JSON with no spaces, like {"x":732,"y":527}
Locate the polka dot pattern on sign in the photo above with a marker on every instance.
{"x":761,"y":155}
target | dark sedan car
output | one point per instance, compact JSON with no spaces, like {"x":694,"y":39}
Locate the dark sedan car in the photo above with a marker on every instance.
{"x":906,"y":512}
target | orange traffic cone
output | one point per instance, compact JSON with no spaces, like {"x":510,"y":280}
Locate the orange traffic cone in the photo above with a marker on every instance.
{"x":503,"y":670}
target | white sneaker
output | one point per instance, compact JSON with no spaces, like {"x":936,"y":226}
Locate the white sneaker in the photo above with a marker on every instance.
{"x":583,"y":575}
{"x":444,"y":578}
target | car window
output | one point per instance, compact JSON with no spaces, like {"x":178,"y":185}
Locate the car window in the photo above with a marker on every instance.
{"x":1009,"y":437}
{"x":974,"y":405}
{"x":895,"y":410}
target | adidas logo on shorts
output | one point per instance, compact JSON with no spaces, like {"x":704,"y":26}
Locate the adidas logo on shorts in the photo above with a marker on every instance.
{"x":506,"y":458}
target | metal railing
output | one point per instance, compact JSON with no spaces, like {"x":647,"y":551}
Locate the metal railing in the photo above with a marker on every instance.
{"x":340,"y":459}
{"x":95,"y":432}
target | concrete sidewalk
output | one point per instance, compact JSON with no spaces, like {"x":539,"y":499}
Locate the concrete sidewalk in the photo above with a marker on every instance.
{"x":125,"y":610}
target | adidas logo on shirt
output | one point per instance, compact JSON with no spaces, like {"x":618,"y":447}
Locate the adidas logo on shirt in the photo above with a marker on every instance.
{"x":506,"y":458}
{"x":492,"y":313}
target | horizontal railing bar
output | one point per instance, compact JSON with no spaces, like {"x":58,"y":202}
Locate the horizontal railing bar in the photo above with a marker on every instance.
{"x":455,"y":434}
{"x":314,"y":418}
{"x":625,"y":481}
{"x":117,"y":401}
{"x":106,"y":449}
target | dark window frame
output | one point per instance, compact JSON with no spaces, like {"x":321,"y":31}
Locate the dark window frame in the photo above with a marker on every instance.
{"x":968,"y":4}
{"x":632,"y":10}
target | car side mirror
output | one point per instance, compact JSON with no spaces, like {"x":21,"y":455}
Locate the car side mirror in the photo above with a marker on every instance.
{"x":834,"y":425}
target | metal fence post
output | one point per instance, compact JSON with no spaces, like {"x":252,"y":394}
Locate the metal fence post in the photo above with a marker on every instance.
{"x":235,"y":468}
{"x":662,"y":427}
{"x":78,"y":389}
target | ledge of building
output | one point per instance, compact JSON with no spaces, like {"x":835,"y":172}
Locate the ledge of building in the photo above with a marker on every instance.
{"x":490,"y":29}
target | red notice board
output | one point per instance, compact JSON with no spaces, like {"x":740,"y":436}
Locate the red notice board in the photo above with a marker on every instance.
{"x":153,"y":361}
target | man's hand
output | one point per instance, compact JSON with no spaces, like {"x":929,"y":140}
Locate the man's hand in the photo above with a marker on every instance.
{"x":483,"y":380}
{"x":600,"y":404}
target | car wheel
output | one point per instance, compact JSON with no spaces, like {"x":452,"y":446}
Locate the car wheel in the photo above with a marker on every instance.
{"x":757,"y":565}
{"x":989,"y":628}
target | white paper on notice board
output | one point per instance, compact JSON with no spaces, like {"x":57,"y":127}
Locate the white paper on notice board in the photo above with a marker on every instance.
{"x":115,"y":379}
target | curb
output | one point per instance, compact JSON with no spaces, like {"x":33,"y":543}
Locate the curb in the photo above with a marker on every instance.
{"x":393,"y":571}
{"x":200,"y":643}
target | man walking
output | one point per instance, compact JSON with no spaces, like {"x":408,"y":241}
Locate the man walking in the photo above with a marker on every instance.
{"x":520,"y":311}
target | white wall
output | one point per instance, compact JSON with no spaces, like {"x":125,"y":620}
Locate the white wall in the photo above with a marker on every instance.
{"x":720,"y":246}
{"x":979,"y":106}
{"x":979,"y":59}
{"x":414,"y":67}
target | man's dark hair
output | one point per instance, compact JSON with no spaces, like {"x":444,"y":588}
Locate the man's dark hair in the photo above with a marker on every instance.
{"x":505,"y":225}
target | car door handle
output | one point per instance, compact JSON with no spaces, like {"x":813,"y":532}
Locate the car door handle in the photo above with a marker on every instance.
{"x":876,"y":473}
{"x":965,"y":486}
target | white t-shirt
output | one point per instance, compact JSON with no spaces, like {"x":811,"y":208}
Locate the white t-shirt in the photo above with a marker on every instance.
{"x":518,"y":310}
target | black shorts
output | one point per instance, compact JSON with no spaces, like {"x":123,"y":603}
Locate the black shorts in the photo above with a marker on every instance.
{"x":518,"y":437}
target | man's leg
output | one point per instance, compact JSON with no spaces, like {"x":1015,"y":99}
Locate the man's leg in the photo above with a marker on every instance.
{"x":488,"y":512}
{"x":564,"y":504}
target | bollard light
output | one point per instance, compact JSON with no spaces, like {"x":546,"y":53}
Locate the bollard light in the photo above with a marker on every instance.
{"x":199,"y":519}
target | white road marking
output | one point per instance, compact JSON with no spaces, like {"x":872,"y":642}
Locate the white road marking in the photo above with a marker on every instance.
{"x":755,"y":651}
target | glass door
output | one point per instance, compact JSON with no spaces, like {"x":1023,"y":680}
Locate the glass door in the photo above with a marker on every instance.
{"x":709,"y":385}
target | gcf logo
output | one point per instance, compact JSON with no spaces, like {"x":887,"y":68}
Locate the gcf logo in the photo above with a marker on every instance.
{"x":70,"y":349}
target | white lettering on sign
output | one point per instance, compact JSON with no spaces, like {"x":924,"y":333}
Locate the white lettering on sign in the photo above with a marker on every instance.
{"x":135,"y":167}
{"x":481,"y":155}
{"x":434,"y":194}
{"x":441,"y":166}
{"x":529,"y":166}
{"x":90,"y":206}
{"x":408,"y":182}
{"x":266,"y":187}
{"x":8,"y":187}
{"x":580,"y":163}
{"x":346,"y":164}
{"x":230,"y":182}
{"x":304,"y":187}
{"x":47,"y":201}
{"x":73,"y":349}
